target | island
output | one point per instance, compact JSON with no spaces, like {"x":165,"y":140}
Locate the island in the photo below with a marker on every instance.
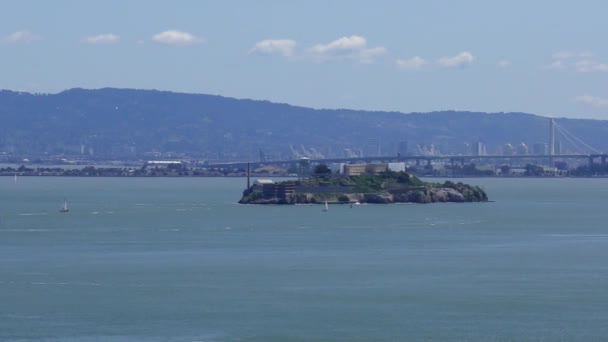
{"x":381,"y":188}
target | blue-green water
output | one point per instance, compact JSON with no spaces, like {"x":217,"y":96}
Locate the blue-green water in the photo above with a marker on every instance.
{"x":176,"y":259}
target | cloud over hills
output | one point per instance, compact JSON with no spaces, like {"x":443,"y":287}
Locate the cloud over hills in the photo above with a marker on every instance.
{"x":177,"y":38}
{"x":23,"y":36}
{"x":352,"y":48}
{"x":282,"y":47}
{"x":593,"y":101}
{"x":346,"y":48}
{"x":579,"y":61}
{"x":460,"y":60}
{"x":414,"y":63}
{"x":105,"y":38}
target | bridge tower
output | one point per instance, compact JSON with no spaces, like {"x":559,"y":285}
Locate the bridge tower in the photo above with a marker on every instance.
{"x":551,"y":137}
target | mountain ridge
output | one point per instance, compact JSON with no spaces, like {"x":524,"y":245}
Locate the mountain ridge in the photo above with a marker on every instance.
{"x":125,"y":123}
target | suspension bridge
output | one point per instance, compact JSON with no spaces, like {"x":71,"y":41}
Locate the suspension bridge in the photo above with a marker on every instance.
{"x":581,"y":150}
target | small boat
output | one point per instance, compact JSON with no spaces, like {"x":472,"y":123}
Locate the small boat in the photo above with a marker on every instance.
{"x":65,"y":208}
{"x":326,"y":208}
{"x":15,"y":179}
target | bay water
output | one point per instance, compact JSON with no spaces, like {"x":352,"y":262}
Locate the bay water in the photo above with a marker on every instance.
{"x":177,"y":259}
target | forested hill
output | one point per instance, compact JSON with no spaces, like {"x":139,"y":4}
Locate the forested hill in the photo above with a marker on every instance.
{"x":128,"y":123}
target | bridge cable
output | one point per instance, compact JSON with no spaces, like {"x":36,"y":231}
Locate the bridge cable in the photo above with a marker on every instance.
{"x":564,"y":131}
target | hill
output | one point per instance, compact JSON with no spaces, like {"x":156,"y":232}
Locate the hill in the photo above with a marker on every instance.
{"x":129,"y":123}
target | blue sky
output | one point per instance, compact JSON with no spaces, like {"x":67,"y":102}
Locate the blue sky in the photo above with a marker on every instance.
{"x":542,"y":57}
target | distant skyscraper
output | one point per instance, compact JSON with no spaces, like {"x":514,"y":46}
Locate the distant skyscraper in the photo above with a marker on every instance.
{"x":480,"y":149}
{"x":541,"y":149}
{"x":348,"y":153}
{"x":558,"y":147}
{"x":373,"y":148}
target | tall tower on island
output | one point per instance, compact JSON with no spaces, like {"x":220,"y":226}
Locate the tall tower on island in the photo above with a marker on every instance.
{"x":248,"y":176}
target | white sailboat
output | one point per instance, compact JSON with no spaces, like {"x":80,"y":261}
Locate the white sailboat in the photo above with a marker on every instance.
{"x":326,"y":208}
{"x":15,"y":179}
{"x":65,"y":208}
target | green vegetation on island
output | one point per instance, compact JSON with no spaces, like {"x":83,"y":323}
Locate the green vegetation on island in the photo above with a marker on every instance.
{"x":385,"y":187}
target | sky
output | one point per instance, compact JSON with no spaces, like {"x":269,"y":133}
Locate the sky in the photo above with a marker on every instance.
{"x":542,"y":57}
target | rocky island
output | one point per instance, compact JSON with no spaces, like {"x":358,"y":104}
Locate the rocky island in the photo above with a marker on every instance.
{"x":383,"y":188}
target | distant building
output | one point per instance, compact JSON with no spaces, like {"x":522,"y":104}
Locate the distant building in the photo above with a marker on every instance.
{"x":163,"y":163}
{"x":262,"y":182}
{"x":348,"y":153}
{"x":397,"y":167}
{"x":373,"y":148}
{"x":479,"y":149}
{"x":553,"y":171}
{"x":304,"y":166}
{"x":558,"y":147}
{"x":337,"y":168}
{"x":540,"y":149}
{"x":517,"y":172}
{"x":364,"y":169}
{"x":271,"y":189}
{"x":374,"y":169}
{"x":354,"y":169}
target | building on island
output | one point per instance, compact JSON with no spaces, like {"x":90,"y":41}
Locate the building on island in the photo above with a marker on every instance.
{"x":270,"y":189}
{"x":396,"y":167}
{"x":364,"y":169}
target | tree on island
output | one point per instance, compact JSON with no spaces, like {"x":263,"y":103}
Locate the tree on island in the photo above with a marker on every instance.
{"x":322,"y":169}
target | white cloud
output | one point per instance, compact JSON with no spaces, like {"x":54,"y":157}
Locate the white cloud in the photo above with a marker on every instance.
{"x":461,"y":60}
{"x":346,"y":48}
{"x":593,"y":101}
{"x":571,"y":54}
{"x":179,"y":38}
{"x":579,"y":61}
{"x":20,"y":37}
{"x":504,"y":64}
{"x":555,"y":65}
{"x":414,"y":63}
{"x":106,"y":38}
{"x":590,"y":66}
{"x":340,"y":45}
{"x":283,"y":47}
{"x":369,"y":55}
